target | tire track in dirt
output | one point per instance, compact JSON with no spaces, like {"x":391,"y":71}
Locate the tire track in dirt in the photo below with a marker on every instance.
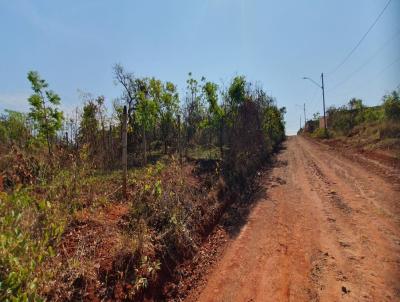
{"x":321,"y":233}
{"x":369,"y":236}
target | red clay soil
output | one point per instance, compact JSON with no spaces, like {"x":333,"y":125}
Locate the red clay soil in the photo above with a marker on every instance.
{"x":93,"y":239}
{"x":327,"y":229}
{"x":383,"y":162}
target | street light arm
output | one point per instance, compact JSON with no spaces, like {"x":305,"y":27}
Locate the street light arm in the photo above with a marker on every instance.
{"x":307,"y":78}
{"x":323,"y":96}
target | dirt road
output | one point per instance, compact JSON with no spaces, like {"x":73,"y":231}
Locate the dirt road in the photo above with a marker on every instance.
{"x":328,"y":229}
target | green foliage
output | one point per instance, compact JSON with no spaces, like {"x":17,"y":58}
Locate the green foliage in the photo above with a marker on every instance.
{"x":29,"y":230}
{"x":344,"y":119}
{"x":237,"y":92}
{"x":194,"y":109}
{"x":211,"y":93}
{"x":168,"y":110}
{"x":373,"y":114}
{"x":320,"y":133}
{"x":146,"y":112}
{"x":391,"y":106}
{"x":340,"y":120}
{"x":254,"y":127}
{"x":14,"y":128}
{"x":273,"y":126}
{"x":167,"y":215}
{"x":89,"y":123}
{"x":44,"y":112}
{"x":92,"y":129}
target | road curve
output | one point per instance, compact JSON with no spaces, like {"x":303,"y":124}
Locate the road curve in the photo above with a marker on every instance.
{"x":327,"y":229}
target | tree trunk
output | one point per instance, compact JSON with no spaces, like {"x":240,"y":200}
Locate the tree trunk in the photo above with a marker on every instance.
{"x":124,"y":154}
{"x":221,"y":129}
{"x":144,"y":146}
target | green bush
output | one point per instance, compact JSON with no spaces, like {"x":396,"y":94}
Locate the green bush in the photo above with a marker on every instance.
{"x":391,"y":106}
{"x":373,"y":114}
{"x":320,"y":133}
{"x":29,"y":229}
{"x":341,"y":120}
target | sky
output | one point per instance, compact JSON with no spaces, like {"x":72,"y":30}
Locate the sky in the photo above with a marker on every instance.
{"x":74,"y":45}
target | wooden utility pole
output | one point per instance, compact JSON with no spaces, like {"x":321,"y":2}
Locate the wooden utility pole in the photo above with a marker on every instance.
{"x":144,"y":147}
{"x":323,"y":101}
{"x":323,"y":96}
{"x":305,"y":119}
{"x":110,"y":147}
{"x":179,"y":139}
{"x":124,"y":153}
{"x":221,"y":138}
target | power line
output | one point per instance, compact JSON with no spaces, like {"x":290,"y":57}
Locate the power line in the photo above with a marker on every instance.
{"x":314,"y":104}
{"x":366,"y":62}
{"x":388,"y":66}
{"x":376,"y":76}
{"x":361,"y":40}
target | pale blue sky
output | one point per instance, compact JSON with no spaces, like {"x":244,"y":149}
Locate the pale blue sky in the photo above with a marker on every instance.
{"x":74,"y":44}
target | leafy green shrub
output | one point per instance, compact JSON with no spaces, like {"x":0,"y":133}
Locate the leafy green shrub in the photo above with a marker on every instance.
{"x":373,"y":114}
{"x":13,"y":128}
{"x":320,"y":133}
{"x":254,"y":129}
{"x":341,"y":120}
{"x":29,"y":229}
{"x":391,"y":106}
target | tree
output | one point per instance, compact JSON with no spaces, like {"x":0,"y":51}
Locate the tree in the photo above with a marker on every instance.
{"x":14,"y":127}
{"x":391,"y":106}
{"x":44,"y":112}
{"x":146,"y":115}
{"x":130,"y":85}
{"x":216,"y":112}
{"x":168,"y":109}
{"x":92,"y":122}
{"x":356,"y":111}
{"x":194,"y":108}
{"x":237,"y":92}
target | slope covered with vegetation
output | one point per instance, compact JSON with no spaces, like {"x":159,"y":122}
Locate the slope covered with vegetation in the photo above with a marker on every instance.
{"x":67,"y":232}
{"x":367,"y":128}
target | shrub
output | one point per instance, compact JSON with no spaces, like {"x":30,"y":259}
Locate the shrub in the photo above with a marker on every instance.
{"x":320,"y":133}
{"x":373,"y":114}
{"x":391,"y":106}
{"x":389,"y":130}
{"x":29,"y":229}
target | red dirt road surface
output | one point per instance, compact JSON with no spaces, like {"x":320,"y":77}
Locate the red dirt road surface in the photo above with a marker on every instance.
{"x":327,"y":229}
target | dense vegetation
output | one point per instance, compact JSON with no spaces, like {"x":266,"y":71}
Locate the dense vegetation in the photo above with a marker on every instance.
{"x":372,"y":127}
{"x":67,"y":233}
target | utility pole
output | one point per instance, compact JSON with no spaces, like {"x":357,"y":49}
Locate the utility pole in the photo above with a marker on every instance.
{"x":323,"y":96}
{"x":300,"y":122}
{"x":124,"y":153}
{"x":179,"y":139}
{"x":305,"y":119}
{"x":323,"y":100}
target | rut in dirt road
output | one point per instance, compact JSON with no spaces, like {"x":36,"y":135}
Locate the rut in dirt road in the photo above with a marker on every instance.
{"x":327,"y":230}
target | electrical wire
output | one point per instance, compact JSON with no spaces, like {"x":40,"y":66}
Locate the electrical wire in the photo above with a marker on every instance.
{"x":388,"y":66}
{"x":312,"y":106}
{"x":361,"y":40}
{"x":365,"y":63}
{"x":377,"y":75}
